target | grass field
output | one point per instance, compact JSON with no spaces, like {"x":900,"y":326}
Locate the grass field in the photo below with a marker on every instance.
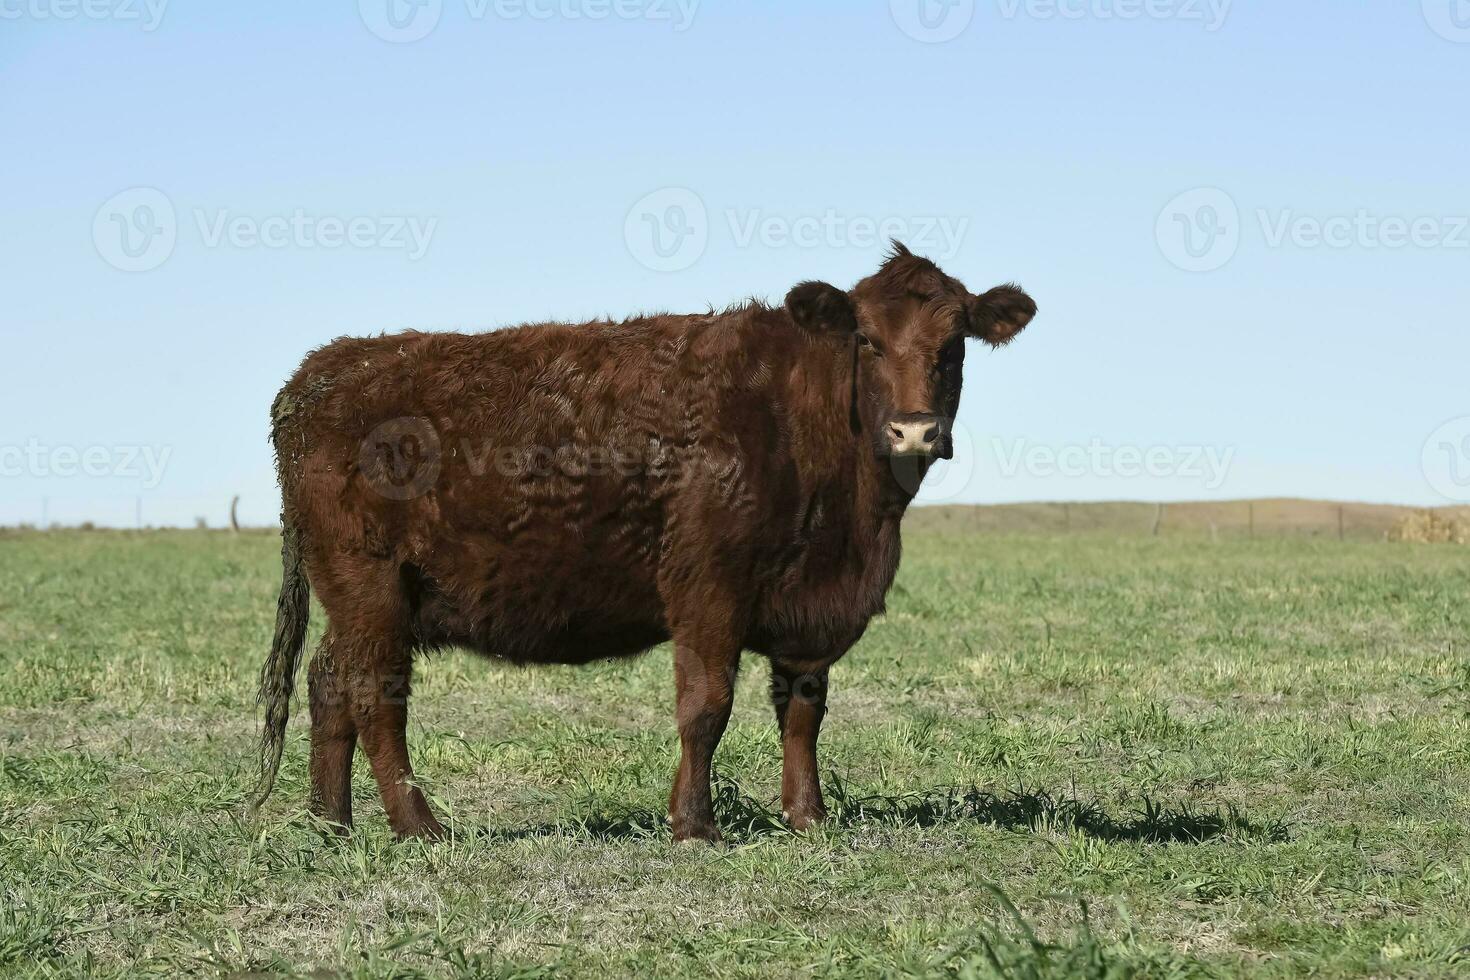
{"x":1079,"y":755}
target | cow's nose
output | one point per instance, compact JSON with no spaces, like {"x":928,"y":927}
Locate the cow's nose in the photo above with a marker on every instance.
{"x":917,"y":438}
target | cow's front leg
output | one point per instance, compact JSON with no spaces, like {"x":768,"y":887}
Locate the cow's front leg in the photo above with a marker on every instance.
{"x":705,"y":664}
{"x":800,"y":698}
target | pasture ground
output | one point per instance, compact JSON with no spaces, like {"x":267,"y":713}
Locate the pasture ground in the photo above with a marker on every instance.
{"x":1081,"y":755}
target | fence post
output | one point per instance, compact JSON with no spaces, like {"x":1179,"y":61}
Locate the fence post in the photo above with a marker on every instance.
{"x":234,"y":514}
{"x":1158,"y":519}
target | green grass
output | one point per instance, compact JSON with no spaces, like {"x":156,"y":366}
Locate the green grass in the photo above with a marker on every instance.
{"x":1055,"y":757}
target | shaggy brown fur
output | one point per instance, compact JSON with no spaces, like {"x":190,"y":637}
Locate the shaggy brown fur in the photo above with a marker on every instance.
{"x":562,"y":493}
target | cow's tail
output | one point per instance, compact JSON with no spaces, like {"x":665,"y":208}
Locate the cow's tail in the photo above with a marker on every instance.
{"x":278,"y":673}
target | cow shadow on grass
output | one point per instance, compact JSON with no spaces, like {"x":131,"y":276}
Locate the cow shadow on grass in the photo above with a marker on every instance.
{"x":744,"y":819}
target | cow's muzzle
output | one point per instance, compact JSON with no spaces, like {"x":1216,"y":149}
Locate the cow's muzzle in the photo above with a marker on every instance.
{"x":914,"y":434}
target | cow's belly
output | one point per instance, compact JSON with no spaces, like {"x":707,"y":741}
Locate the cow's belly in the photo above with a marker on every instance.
{"x":539,"y":601}
{"x":574,"y":644}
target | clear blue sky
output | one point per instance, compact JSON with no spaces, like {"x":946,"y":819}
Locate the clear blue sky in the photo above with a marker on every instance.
{"x":519,"y":136}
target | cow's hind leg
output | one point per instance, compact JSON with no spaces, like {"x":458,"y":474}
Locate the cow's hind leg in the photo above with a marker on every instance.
{"x":378,"y":695}
{"x":333,"y":739}
{"x":369,"y":669}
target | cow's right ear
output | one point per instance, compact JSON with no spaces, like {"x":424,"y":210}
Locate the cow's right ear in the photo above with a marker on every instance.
{"x":821,"y":307}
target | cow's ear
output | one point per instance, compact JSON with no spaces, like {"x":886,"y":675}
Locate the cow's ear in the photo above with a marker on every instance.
{"x":821,"y":306}
{"x":998,"y":315}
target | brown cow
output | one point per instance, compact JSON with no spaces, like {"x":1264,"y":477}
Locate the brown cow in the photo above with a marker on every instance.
{"x":561,"y":494}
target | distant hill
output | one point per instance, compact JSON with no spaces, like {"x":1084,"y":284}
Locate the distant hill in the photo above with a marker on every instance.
{"x":1229,"y":517}
{"x":1267,"y":517}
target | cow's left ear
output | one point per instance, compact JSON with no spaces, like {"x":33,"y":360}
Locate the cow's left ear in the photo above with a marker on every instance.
{"x":998,"y":315}
{"x":820,"y":307}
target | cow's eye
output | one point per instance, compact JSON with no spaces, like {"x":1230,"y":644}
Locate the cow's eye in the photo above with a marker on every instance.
{"x":865,"y":343}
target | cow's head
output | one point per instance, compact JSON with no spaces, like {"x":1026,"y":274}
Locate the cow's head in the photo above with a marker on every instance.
{"x":908,"y":324}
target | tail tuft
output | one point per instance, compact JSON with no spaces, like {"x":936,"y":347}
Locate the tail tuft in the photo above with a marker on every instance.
{"x":278,"y":673}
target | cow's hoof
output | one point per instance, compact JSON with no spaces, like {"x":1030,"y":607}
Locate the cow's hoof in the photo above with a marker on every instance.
{"x":804,"y":819}
{"x":428,"y":830}
{"x":332,"y":828}
{"x":699,"y":834}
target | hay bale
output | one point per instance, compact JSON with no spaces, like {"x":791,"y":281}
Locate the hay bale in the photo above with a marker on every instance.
{"x":1430,"y":527}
